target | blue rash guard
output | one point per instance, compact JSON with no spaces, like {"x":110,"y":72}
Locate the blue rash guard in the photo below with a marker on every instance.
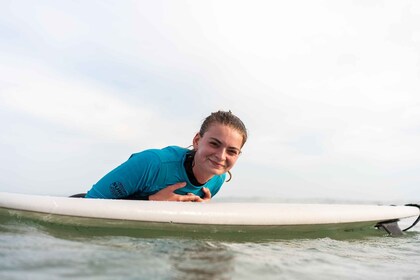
{"x":148,"y":172}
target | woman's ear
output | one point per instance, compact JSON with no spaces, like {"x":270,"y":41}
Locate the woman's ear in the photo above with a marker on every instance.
{"x":196,"y":139}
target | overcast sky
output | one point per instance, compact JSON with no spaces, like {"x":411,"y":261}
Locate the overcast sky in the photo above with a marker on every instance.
{"x":329,"y":90}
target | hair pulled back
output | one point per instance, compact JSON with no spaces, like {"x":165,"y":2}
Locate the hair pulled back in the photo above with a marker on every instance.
{"x":225,"y":118}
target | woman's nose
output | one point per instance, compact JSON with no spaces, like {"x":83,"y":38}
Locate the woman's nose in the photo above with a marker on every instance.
{"x":221,"y":154}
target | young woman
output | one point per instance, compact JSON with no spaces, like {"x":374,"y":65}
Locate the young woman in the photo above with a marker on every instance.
{"x":176,"y":173}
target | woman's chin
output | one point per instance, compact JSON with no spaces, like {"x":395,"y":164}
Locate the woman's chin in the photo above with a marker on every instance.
{"x":218,"y":171}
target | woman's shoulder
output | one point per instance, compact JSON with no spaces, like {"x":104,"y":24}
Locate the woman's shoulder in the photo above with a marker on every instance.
{"x":170,"y":153}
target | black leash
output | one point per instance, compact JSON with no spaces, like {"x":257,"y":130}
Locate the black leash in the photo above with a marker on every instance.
{"x":418,"y":218}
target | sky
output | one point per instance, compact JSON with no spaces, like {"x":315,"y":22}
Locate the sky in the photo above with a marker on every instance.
{"x":329,"y":92}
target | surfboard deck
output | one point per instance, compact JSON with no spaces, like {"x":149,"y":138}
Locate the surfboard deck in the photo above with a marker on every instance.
{"x":216,"y":217}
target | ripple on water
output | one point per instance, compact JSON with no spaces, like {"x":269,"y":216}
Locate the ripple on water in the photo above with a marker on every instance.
{"x":29,"y":250}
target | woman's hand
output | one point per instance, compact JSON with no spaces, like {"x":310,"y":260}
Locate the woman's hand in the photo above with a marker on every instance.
{"x":167,"y":194}
{"x":207,"y":194}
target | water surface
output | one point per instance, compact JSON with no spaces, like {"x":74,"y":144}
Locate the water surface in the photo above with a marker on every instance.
{"x":30,"y":250}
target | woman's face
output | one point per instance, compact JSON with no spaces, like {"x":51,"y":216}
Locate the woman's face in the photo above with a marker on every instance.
{"x":216,"y":151}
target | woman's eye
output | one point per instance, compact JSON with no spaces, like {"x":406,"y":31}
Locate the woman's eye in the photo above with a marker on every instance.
{"x":214,"y":144}
{"x":233,"y":152}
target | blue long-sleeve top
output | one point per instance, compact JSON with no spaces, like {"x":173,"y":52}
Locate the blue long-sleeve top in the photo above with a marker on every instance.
{"x":148,"y":172}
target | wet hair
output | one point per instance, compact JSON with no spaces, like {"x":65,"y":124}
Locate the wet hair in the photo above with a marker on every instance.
{"x":225,"y":118}
{"x":228,"y":119}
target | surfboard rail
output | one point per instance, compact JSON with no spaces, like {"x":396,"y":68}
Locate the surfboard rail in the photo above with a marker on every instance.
{"x":209,"y":213}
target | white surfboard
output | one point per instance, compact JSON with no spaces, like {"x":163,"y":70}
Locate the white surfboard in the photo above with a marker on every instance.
{"x":208,"y":213}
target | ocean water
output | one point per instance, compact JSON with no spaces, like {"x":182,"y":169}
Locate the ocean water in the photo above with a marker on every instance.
{"x":33,"y":250}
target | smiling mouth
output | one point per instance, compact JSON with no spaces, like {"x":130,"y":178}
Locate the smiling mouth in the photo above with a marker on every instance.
{"x":215,"y":163}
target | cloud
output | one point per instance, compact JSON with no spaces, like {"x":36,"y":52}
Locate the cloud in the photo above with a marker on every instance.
{"x":330,"y":97}
{"x":39,"y":92}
